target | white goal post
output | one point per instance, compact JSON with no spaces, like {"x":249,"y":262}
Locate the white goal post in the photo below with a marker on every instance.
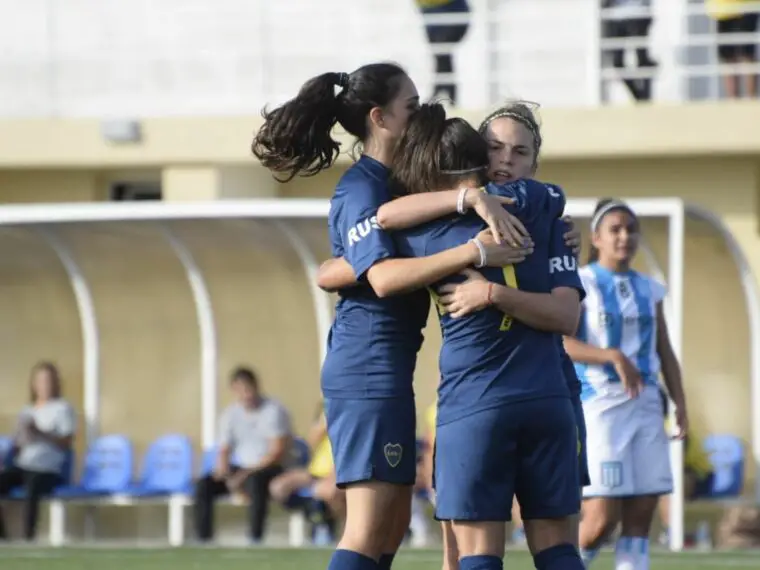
{"x":285,"y":215}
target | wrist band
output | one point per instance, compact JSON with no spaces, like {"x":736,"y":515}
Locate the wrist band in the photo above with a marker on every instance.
{"x":481,"y":250}
{"x":490,"y":291}
{"x":460,"y":201}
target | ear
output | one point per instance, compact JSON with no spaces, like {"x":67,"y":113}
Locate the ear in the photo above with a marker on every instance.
{"x":376,"y":117}
{"x":595,"y":239}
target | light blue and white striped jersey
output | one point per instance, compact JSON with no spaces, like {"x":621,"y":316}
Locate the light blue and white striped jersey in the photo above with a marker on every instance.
{"x":619,"y":311}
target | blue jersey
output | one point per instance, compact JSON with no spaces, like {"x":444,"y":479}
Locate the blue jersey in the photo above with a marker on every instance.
{"x":373,"y":343}
{"x":488,"y":358}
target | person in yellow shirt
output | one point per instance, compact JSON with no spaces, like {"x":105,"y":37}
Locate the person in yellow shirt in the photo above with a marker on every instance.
{"x":319,"y":474}
{"x":735,"y":17}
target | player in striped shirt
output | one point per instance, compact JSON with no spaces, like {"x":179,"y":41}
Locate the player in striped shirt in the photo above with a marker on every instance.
{"x":620,"y":350}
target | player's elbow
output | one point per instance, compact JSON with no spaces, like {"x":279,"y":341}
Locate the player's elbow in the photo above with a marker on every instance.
{"x":383,"y":219}
{"x":569,"y":323}
{"x":381,"y":287}
{"x":382,"y":280}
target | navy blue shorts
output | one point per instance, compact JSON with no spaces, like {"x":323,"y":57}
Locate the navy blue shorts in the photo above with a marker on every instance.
{"x":373,"y":440}
{"x":580,"y":421}
{"x":526,"y":449}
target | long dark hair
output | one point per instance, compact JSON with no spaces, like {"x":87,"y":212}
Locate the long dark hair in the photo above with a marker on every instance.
{"x":55,"y":380}
{"x":296,"y":138}
{"x":435,"y":153}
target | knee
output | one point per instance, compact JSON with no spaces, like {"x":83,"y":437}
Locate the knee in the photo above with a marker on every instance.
{"x":278,"y":489}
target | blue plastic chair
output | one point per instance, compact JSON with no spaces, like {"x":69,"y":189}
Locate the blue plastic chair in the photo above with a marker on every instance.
{"x":726,"y":454}
{"x":300,"y":452}
{"x":107,"y":468}
{"x":208,"y":461}
{"x":167,"y":467}
{"x":6,"y":447}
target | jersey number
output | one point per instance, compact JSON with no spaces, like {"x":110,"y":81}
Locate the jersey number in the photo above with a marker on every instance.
{"x":510,"y":280}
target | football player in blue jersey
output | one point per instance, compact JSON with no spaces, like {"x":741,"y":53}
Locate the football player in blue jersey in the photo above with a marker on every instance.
{"x":514,"y":141}
{"x":373,"y":343}
{"x":505,"y":423}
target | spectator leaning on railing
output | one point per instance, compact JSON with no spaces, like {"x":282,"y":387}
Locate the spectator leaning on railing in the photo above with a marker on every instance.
{"x":625,"y":20}
{"x":736,"y":17}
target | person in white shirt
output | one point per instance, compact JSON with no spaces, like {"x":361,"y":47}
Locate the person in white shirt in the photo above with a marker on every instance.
{"x":44,"y":436}
{"x":620,"y":350}
{"x":254,"y":438}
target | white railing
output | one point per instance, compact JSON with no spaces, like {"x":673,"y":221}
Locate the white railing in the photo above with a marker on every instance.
{"x":136,"y":58}
{"x":690,"y":68}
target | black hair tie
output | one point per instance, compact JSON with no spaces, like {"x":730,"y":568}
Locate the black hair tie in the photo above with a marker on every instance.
{"x":342,"y":80}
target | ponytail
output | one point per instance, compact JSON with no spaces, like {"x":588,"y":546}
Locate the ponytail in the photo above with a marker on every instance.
{"x":416,"y":165}
{"x":436,"y":153}
{"x":296,"y":138}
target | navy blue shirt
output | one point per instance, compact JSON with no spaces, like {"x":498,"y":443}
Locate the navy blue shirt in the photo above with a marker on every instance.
{"x":488,"y":358}
{"x":373,"y":343}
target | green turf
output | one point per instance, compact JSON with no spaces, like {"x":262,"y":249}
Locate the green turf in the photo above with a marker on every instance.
{"x":20,"y":558}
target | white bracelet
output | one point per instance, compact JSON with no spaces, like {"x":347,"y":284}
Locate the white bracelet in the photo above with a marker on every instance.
{"x":460,"y":201}
{"x":482,"y":251}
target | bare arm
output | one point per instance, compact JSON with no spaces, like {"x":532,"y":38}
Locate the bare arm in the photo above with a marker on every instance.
{"x":335,"y":274}
{"x":394,"y":276}
{"x":671,"y":370}
{"x":317,"y":432}
{"x":62,"y":441}
{"x":580,"y":351}
{"x":278,"y":447}
{"x":416,"y":209}
{"x":556,"y":312}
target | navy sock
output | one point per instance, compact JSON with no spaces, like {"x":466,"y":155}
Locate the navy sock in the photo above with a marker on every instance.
{"x":480,"y":562}
{"x":350,"y":560}
{"x":386,"y":560}
{"x":560,"y":557}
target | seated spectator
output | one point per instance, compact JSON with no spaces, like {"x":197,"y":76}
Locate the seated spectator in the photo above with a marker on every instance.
{"x":319,"y":475}
{"x":736,"y":17}
{"x":254,"y":432}
{"x":697,"y":470}
{"x":43,"y":436}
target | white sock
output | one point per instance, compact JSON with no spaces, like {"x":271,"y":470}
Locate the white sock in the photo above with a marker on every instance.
{"x":632,"y":553}
{"x":625,"y":558}
{"x":641,"y":548}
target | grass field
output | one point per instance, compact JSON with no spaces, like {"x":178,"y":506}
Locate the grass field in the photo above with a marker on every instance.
{"x":24,"y":558}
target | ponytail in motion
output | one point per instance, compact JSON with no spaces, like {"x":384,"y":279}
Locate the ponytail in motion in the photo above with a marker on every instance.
{"x":296,"y":138}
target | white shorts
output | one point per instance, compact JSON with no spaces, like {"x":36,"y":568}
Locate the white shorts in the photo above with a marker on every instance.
{"x":628,"y":448}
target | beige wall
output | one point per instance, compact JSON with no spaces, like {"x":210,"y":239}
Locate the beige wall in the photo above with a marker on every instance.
{"x":263,"y":305}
